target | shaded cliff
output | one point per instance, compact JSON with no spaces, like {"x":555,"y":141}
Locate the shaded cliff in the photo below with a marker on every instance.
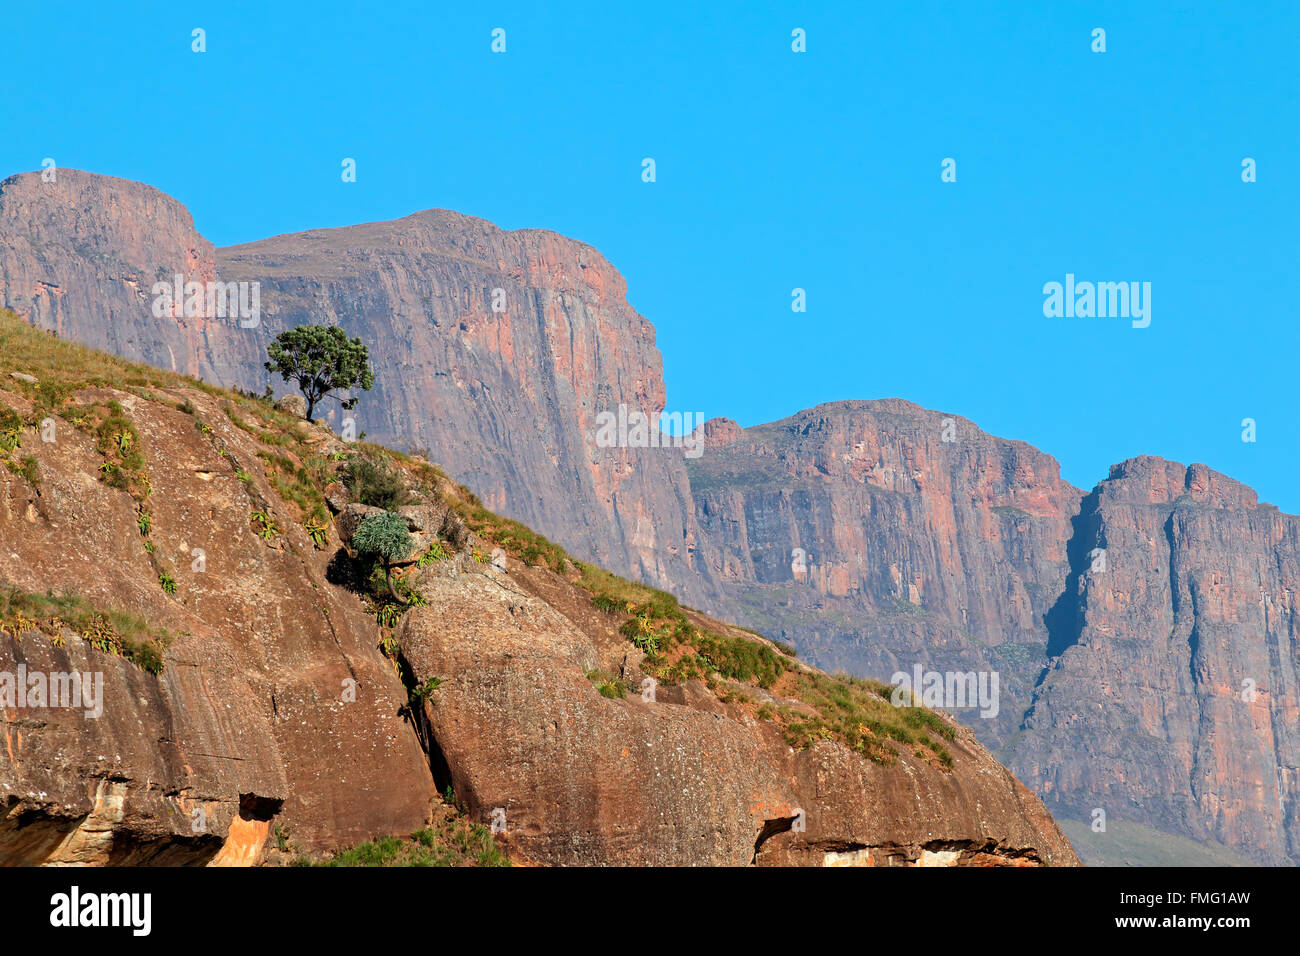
{"x":1181,"y":663}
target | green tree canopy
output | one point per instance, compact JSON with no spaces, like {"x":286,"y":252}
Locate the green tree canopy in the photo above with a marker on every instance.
{"x":386,"y":538}
{"x":321,"y":359}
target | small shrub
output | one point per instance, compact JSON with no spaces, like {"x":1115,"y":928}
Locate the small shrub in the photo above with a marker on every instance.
{"x":386,"y":538}
{"x":607,"y":686}
{"x":373,"y":483}
{"x":319,"y":533}
{"x":436,"y":552}
{"x":264,"y":525}
{"x":426,"y":690}
{"x":11,"y":426}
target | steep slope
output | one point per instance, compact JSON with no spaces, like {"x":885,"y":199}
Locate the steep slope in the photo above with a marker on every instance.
{"x":248,"y":721}
{"x":874,"y":536}
{"x":494,"y":351}
{"x":1182,"y":662}
{"x":261,"y":687}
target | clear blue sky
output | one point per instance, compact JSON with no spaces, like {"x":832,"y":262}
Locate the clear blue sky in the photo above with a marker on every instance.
{"x":775,"y":170}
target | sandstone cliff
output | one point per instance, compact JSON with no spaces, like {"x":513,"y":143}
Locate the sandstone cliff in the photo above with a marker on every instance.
{"x":1143,"y":633}
{"x":1176,"y":654}
{"x":275,"y":697}
{"x":877,"y":536}
{"x":874,"y":536}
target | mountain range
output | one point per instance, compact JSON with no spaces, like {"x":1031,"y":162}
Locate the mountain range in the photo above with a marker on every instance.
{"x":1144,"y":631}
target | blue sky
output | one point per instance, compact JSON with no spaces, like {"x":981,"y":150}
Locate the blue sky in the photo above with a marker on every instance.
{"x":775,"y":170}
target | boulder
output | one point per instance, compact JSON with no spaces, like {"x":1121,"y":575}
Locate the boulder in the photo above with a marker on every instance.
{"x":350,"y":518}
{"x":337,"y":496}
{"x":457,"y":533}
{"x":424,"y":516}
{"x":295,"y":405}
{"x":583,"y":779}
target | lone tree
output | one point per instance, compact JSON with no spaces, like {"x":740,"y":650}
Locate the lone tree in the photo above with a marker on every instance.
{"x":386,"y":538}
{"x":321,"y":359}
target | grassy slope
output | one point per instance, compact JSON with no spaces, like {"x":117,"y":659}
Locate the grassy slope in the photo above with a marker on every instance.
{"x":738,"y":666}
{"x":1132,"y":844}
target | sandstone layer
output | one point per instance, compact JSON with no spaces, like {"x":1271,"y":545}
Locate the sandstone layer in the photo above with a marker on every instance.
{"x":678,"y":777}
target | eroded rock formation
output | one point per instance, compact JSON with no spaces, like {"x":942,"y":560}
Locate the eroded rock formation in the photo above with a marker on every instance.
{"x":875,"y":536}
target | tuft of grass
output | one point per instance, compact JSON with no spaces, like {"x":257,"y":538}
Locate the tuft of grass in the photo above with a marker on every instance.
{"x":424,"y":693}
{"x":435,"y":552}
{"x":607,"y":685}
{"x":11,"y":430}
{"x":27,"y":468}
{"x":264,"y":525}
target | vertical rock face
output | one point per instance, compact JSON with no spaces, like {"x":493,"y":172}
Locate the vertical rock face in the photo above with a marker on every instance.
{"x":875,"y":536}
{"x":250,"y":721}
{"x":878,"y":536}
{"x":80,"y":256}
{"x":496,"y":351}
{"x":1174,"y":700}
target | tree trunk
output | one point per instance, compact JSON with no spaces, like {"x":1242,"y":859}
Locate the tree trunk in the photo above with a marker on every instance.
{"x":388,"y":579}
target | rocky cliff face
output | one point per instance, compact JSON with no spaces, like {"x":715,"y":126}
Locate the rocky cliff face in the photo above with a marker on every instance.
{"x":80,"y":256}
{"x":874,"y":536}
{"x":878,"y":536}
{"x":493,"y":350}
{"x":1144,"y":633}
{"x":684,"y":775}
{"x":281,"y":708}
{"x":1172,"y":696}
